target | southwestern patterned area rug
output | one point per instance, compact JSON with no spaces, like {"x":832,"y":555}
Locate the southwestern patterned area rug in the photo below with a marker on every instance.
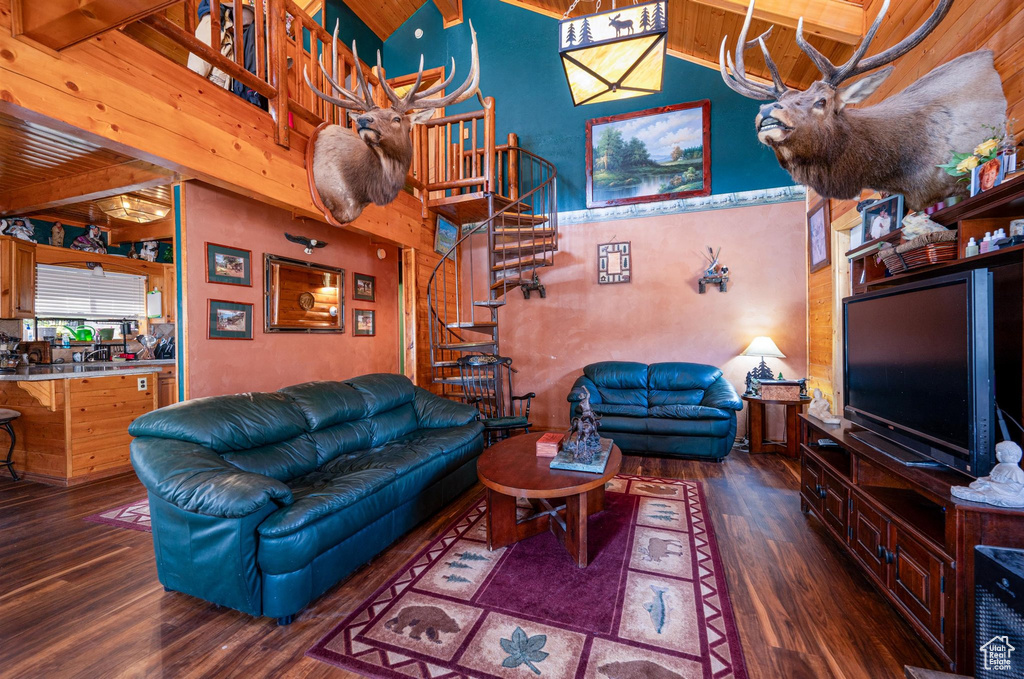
{"x":652,"y":604}
{"x":134,"y":516}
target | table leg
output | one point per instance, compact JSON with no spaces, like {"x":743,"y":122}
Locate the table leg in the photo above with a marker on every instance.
{"x":575,"y":537}
{"x":501,"y":520}
{"x":755,"y":411}
{"x":792,"y":425}
{"x":595,"y":501}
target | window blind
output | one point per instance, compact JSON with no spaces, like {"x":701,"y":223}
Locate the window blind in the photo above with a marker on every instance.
{"x":63,"y":292}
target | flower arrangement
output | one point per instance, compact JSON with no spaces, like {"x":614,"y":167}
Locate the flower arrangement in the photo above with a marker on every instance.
{"x":962,"y":164}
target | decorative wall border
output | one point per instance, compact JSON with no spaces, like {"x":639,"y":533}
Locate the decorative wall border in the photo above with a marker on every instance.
{"x":720,"y":201}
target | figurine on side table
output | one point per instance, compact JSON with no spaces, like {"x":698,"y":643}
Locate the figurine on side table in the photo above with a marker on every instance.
{"x":1004,"y":486}
{"x":583,"y":441}
{"x":820,"y":409}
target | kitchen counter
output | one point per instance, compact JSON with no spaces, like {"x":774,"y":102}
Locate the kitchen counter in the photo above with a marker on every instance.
{"x":64,"y":371}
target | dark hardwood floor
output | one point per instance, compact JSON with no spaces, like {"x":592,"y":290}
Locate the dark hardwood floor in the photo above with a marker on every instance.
{"x":79,"y":599}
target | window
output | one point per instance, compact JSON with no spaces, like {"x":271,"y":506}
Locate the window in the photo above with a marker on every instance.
{"x":64,"y":292}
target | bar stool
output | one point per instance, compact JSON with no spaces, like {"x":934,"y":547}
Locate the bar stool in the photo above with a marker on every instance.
{"x":6,"y":417}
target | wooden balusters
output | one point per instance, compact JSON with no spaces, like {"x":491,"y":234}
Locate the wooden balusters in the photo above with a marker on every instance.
{"x":278,"y":69}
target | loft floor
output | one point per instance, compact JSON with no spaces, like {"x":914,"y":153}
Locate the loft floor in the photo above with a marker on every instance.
{"x":79,"y":599}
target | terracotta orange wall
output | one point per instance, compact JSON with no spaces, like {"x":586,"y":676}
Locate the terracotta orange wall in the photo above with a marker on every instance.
{"x":660,"y":316}
{"x":274,"y":360}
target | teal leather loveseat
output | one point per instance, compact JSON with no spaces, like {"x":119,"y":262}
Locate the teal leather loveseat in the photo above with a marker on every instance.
{"x":679,"y":409}
{"x":263,"y":501}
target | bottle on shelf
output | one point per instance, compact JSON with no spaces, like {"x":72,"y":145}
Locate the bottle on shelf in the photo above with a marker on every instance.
{"x":986,"y":243}
{"x":972,"y":248}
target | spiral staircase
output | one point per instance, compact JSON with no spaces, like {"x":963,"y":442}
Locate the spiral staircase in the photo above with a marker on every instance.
{"x":508,"y":231}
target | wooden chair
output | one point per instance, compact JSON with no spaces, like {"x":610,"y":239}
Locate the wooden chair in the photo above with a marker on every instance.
{"x":6,"y":417}
{"x":487,"y":384}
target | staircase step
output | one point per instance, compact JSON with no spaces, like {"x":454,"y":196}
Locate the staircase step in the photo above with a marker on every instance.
{"x":529,"y":246}
{"x":467,"y":346}
{"x":478,"y":326}
{"x":445,"y":364}
{"x":503,"y":282}
{"x":523,"y":231}
{"x":519,"y":219}
{"x":524,"y":263}
{"x":491,"y":303}
{"x":455,"y":381}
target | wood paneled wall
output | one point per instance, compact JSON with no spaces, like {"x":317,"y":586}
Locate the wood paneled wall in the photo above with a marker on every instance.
{"x":426,"y":260}
{"x":983,"y":24}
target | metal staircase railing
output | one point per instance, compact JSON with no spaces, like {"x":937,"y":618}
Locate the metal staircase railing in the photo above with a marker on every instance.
{"x":489,"y":259}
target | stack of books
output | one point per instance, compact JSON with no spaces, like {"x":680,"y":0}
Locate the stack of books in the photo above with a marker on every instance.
{"x":548,"y":444}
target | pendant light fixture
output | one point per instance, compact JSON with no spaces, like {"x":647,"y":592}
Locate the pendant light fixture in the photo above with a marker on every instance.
{"x":615,"y":54}
{"x":130,"y":207}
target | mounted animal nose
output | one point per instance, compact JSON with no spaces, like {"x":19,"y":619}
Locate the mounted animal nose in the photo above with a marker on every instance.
{"x":766,"y":109}
{"x":364,"y":121}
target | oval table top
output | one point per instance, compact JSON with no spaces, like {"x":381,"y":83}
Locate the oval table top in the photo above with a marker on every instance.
{"x":511,"y":467}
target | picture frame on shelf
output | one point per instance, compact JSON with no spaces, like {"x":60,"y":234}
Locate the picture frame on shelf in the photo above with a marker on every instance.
{"x":652,"y":155}
{"x":364,"y":287}
{"x":856,"y":236}
{"x":227,"y":265}
{"x":229,"y":320}
{"x":445,"y":236}
{"x":364,"y":322}
{"x":882,"y":217}
{"x":988,"y":175}
{"x":614,"y":263}
{"x":819,"y":232}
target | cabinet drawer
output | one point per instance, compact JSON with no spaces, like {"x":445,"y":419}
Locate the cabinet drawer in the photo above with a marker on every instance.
{"x":917,"y":580}
{"x":869,"y":537}
{"x":810,"y":481}
{"x":835,"y":502}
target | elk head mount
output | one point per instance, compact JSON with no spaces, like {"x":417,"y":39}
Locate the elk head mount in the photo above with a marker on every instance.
{"x":351,"y":169}
{"x":894,"y":146}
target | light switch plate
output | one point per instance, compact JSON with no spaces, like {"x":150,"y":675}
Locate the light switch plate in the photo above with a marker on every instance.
{"x":143,"y":383}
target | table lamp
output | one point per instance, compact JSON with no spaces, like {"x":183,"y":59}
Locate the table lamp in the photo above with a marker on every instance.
{"x":761,"y":346}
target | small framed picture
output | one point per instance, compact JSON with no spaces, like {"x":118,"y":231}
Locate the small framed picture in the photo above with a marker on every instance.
{"x":364,"y":287}
{"x":988,"y":175}
{"x":614,"y":263}
{"x":365,"y":322}
{"x":445,"y":237}
{"x":882,"y":217}
{"x":229,"y":320}
{"x":227,"y":265}
{"x":819,"y":233}
{"x":856,"y":236}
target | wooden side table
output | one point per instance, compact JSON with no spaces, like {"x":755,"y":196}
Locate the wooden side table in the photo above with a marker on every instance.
{"x":757,"y":423}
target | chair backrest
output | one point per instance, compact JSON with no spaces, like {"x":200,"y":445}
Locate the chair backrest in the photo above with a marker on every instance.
{"x":487,"y":384}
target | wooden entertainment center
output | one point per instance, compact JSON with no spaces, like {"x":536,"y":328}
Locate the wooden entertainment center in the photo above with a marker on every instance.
{"x":914,"y":540}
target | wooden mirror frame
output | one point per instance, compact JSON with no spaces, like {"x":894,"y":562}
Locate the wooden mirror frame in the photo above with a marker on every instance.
{"x":272,"y":265}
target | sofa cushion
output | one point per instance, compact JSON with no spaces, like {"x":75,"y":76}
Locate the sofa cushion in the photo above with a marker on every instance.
{"x":282,"y":461}
{"x":618,"y":409}
{"x":703,"y":427}
{"x":687,"y":412}
{"x":619,"y":382}
{"x":390,"y":425}
{"x":680,"y":383}
{"x":632,"y":425}
{"x":328,"y":403}
{"x":383,"y":391}
{"x":225,"y":423}
{"x":342,"y":438}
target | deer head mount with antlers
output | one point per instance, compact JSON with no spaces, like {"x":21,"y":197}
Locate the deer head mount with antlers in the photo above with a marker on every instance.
{"x":894,"y":146}
{"x":351,"y":169}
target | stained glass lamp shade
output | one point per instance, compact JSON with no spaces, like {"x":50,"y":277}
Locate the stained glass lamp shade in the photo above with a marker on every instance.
{"x":615,"y":54}
{"x":132,"y":208}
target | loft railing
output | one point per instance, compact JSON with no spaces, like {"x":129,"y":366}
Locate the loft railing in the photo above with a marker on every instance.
{"x":456,"y":153}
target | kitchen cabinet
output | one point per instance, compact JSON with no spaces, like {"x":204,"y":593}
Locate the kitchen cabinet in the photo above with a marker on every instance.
{"x":167,"y":386}
{"x":17,"y":278}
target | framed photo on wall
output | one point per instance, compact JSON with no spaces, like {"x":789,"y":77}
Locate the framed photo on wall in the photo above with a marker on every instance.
{"x":229,"y":320}
{"x":228,"y":265}
{"x":364,"y":287}
{"x":365,"y":322}
{"x":614,"y":263}
{"x":445,"y":237}
{"x":659,"y":154}
{"x":819,"y":232}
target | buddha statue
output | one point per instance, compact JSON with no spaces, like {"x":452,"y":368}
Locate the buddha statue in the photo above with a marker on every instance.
{"x":1004,"y":486}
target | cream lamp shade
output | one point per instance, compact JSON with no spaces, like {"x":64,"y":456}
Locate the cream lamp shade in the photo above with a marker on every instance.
{"x":763,"y":346}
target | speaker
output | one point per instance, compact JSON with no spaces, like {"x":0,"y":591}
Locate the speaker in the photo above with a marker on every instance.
{"x":998,"y":613}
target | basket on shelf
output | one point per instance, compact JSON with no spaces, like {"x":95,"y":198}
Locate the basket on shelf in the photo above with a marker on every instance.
{"x":931,"y":248}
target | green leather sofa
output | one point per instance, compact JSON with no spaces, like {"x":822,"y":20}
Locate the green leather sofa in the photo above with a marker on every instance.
{"x":677,"y":409}
{"x":262,"y":501}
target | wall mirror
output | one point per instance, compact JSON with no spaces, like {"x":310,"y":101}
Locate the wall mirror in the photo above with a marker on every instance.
{"x":303,"y":297}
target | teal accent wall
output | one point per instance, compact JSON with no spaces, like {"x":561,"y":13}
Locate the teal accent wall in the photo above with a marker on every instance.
{"x":352,"y":28}
{"x":521,"y":69}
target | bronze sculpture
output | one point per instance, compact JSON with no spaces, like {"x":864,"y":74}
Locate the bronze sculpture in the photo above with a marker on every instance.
{"x":583,"y":441}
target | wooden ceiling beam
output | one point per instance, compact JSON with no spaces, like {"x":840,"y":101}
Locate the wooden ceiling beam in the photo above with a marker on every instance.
{"x":136,"y":233}
{"x":451,"y":11}
{"x":101,"y":183}
{"x":58,"y":24}
{"x":832,"y":19}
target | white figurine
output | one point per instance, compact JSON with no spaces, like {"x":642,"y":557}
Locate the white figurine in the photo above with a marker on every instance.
{"x":149,"y":250}
{"x":1004,"y":486}
{"x":19,"y":228}
{"x":819,"y":408}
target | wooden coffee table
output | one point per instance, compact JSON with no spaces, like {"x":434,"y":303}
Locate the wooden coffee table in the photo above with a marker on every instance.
{"x":561,"y":500}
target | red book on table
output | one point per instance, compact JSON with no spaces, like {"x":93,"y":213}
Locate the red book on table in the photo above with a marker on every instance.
{"x":548,"y":444}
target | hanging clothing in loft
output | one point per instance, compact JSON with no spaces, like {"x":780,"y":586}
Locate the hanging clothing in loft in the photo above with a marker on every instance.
{"x":227,"y":38}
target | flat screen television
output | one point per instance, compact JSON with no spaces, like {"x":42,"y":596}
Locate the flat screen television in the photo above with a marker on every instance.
{"x":918,"y":369}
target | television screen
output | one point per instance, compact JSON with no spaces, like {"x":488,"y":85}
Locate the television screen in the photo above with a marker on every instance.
{"x":918,"y":366}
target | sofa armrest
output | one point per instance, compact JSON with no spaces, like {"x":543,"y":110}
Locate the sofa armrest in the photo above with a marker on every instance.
{"x":722,"y":395}
{"x":588,"y":384}
{"x":434,"y":412}
{"x":196,"y":479}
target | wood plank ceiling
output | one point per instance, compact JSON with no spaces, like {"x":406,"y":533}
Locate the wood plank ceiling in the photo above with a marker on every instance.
{"x":696,"y":28}
{"x":37,"y":163}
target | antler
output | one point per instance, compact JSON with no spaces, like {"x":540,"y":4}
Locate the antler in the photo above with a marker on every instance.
{"x":420,"y":100}
{"x":834,"y":75}
{"x":737,"y":80}
{"x":351,"y":100}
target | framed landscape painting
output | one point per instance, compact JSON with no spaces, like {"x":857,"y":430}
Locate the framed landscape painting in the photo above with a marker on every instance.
{"x":229,"y":320}
{"x":658,"y":154}
{"x":231,"y":266}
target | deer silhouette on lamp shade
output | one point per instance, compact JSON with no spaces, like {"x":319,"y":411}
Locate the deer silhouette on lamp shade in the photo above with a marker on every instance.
{"x":351,"y":169}
{"x":894,"y":146}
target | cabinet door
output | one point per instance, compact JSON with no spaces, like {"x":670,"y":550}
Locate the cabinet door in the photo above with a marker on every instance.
{"x":869,"y":538}
{"x":917,"y":580}
{"x":835,"y":503}
{"x":23,"y":285}
{"x":810,"y":481}
{"x":170,"y":293}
